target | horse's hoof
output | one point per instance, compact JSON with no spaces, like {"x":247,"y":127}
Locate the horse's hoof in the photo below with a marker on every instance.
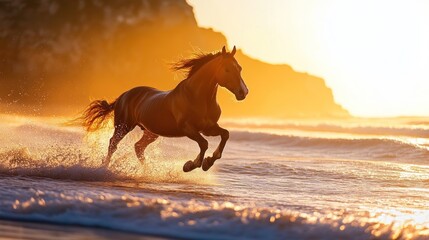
{"x":189,"y":166}
{"x":208,"y":163}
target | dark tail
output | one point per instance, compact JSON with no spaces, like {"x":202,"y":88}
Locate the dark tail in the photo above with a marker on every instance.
{"x":95,"y":114}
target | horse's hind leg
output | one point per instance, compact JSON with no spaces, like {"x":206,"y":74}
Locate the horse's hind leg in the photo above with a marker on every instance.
{"x":140,"y":146}
{"x":118,"y":135}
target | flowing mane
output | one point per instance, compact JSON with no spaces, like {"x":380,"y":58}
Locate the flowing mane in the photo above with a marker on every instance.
{"x":191,"y":65}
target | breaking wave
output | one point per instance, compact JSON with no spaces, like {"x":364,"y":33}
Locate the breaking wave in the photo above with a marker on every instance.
{"x":361,"y":148}
{"x":153,"y":197}
{"x":196,"y":219}
{"x":409,"y":129}
{"x":58,"y":152}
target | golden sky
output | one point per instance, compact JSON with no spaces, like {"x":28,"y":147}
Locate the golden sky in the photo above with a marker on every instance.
{"x":374,"y":54}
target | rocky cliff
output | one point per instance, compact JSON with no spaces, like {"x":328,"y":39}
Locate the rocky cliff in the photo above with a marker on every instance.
{"x":58,"y":54}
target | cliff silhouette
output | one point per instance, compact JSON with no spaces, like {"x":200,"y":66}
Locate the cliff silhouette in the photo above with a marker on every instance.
{"x":57,"y":55}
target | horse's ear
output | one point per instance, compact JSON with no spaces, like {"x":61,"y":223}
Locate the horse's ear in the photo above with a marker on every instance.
{"x":223,"y":50}
{"x":233,"y":51}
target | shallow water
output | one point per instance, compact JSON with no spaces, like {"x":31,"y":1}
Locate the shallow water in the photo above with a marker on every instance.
{"x":357,"y":179}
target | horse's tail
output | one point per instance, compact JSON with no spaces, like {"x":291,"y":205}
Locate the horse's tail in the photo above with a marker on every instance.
{"x":95,"y":114}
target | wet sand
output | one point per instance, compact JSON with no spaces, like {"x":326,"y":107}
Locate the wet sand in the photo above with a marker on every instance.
{"x":10,"y":229}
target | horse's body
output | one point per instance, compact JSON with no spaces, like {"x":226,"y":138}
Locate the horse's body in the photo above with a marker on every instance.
{"x":187,"y":110}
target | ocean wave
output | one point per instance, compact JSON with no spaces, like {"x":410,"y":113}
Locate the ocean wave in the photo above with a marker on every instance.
{"x":192,"y":219}
{"x":371,"y":148}
{"x":398,"y":130}
{"x":371,"y":130}
{"x":66,"y":153}
{"x":144,"y":198}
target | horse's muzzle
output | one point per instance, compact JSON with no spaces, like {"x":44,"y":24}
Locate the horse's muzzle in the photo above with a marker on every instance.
{"x":240,"y":95}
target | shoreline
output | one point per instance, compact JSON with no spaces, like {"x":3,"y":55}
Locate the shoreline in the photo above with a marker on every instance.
{"x":25,"y":229}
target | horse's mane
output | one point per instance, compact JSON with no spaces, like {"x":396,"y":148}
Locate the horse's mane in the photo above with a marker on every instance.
{"x":191,"y":65}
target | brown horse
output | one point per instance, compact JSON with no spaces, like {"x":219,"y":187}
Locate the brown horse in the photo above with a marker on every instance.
{"x":187,"y":110}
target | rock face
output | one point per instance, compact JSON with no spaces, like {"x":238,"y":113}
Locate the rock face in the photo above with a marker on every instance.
{"x":59,"y":54}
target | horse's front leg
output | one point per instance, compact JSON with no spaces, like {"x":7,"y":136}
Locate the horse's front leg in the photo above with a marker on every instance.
{"x":217,"y":154}
{"x":193,"y":134}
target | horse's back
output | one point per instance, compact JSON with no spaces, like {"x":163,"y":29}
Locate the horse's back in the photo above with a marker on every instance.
{"x":127,"y":105}
{"x":148,"y":108}
{"x":133,"y":97}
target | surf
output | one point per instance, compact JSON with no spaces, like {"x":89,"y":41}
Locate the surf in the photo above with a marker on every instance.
{"x":282,"y":183}
{"x":49,"y":148}
{"x":194,"y":219}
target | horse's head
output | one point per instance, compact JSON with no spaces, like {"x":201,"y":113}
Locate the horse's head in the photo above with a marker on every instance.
{"x":229,"y":75}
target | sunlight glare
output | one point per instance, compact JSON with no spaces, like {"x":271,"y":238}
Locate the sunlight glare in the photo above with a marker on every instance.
{"x":373,"y":54}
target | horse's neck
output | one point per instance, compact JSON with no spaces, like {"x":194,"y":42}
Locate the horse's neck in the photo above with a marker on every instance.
{"x":202,"y":85}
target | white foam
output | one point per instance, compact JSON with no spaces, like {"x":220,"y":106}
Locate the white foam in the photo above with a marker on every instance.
{"x":197,"y":219}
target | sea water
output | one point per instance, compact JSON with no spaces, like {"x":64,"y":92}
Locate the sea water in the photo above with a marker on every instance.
{"x":296,"y":179}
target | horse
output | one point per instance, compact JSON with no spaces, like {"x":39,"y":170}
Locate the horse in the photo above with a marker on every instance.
{"x":188,"y":110}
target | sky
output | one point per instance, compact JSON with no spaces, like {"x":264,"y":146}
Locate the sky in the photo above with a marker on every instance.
{"x":374,"y":54}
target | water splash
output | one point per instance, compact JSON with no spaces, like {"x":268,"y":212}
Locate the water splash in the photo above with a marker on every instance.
{"x":56,"y":151}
